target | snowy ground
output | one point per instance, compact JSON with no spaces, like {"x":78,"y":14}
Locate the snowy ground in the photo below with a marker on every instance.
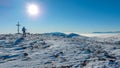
{"x":46,"y":51}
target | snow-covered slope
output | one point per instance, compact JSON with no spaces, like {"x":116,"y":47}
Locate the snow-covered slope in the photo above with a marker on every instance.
{"x":56,"y":51}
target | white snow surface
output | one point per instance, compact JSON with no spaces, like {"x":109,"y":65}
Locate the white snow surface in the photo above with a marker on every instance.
{"x":45,"y":51}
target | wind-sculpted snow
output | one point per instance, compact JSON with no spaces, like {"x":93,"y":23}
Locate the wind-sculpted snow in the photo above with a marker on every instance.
{"x":46,"y":51}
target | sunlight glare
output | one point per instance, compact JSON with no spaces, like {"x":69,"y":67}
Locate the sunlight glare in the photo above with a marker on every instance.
{"x":33,"y":9}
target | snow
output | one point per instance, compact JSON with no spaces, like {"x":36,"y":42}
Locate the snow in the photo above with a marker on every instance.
{"x":56,"y":51}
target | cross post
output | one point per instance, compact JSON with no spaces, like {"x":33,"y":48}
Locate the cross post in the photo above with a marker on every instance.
{"x":18,"y":25}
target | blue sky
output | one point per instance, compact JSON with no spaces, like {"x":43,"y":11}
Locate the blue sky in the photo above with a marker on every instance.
{"x":81,"y":16}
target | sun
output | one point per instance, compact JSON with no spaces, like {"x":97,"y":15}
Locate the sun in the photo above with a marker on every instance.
{"x":32,"y":9}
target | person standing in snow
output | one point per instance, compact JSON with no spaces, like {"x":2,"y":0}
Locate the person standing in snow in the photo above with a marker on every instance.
{"x":24,"y":31}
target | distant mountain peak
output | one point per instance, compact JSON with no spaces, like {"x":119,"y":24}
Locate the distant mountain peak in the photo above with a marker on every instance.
{"x":62,"y":34}
{"x":108,"y":32}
